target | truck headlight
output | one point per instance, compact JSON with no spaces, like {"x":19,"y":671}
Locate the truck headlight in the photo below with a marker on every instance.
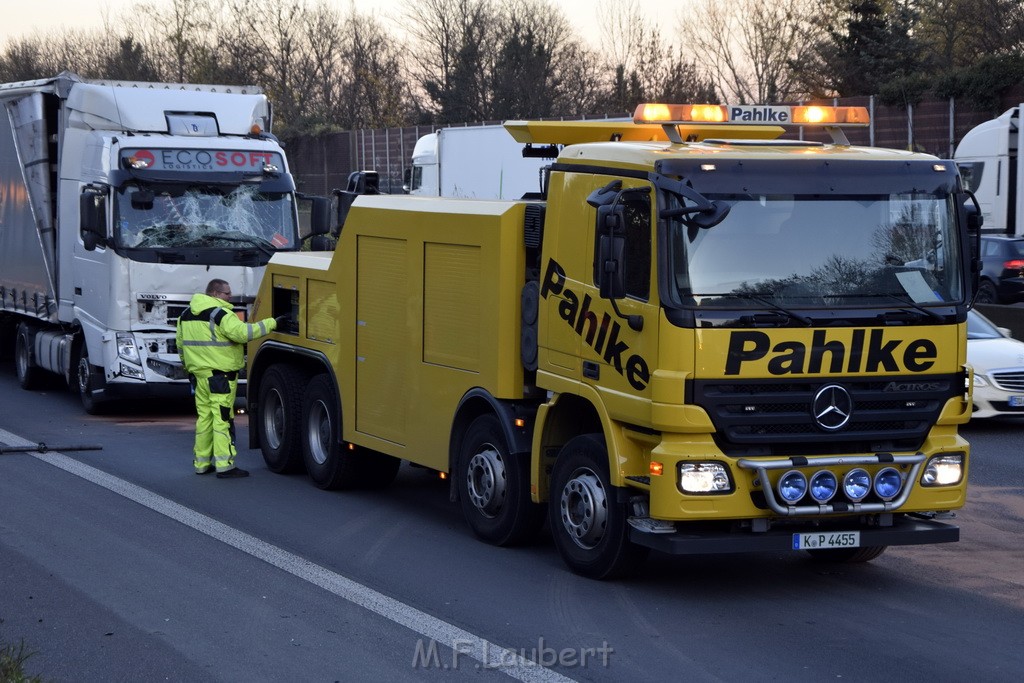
{"x":704,"y":477}
{"x":126,"y":347}
{"x":943,"y":470}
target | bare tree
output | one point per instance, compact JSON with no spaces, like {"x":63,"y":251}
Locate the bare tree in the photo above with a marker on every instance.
{"x":453,"y":55}
{"x":182,"y":28}
{"x":373,"y":88}
{"x":642,"y":65}
{"x":749,"y":46}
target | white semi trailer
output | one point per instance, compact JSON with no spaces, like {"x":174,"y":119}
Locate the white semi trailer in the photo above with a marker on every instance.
{"x":474,"y":162}
{"x":118,"y":201}
{"x":989,"y":160}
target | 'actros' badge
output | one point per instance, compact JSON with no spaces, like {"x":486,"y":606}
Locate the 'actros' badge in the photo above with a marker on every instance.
{"x":832,"y":407}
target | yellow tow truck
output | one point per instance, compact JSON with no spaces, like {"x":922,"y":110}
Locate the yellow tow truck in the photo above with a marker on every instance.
{"x":699,"y":338}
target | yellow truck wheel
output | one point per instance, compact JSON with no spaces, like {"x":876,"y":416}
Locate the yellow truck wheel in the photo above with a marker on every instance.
{"x":589,"y":526}
{"x":328,"y":465}
{"x":279,"y":419}
{"x":494,"y":486}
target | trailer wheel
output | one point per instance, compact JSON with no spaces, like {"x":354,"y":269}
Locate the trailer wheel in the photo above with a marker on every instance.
{"x":589,"y":526}
{"x":280,"y":419}
{"x":29,"y":374}
{"x":848,"y":555}
{"x":494,"y":487}
{"x":328,"y":465}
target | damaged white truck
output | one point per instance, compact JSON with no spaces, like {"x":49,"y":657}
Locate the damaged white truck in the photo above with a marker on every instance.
{"x":118,"y":201}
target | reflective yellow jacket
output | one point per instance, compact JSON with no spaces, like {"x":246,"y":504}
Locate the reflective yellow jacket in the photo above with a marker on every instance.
{"x":211,"y":337}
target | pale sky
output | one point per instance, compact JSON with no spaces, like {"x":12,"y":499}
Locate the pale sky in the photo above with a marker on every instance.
{"x":21,"y":17}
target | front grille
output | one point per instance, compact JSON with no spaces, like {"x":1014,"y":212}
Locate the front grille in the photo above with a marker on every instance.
{"x":762,"y":418}
{"x":1009,"y":380}
{"x":174,"y":312}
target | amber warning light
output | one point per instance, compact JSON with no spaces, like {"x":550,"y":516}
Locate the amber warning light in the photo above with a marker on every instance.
{"x":775,"y":115}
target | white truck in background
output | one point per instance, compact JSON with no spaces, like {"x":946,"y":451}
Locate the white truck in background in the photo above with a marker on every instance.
{"x":989,"y":161}
{"x":474,"y":162}
{"x":118,"y":201}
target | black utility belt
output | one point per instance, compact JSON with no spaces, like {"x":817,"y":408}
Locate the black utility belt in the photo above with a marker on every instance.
{"x":232,"y":376}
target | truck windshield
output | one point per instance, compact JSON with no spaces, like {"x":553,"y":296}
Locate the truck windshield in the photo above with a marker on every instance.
{"x":214,"y":216}
{"x":813,"y":251}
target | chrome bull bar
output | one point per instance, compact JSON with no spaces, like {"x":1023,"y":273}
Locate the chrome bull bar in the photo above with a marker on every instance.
{"x":761,"y":467}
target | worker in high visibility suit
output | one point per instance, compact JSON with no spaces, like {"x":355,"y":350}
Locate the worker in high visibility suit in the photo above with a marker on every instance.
{"x":211,"y":340}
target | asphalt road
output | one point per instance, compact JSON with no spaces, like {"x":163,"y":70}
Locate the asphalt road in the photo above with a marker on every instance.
{"x":121,"y":564}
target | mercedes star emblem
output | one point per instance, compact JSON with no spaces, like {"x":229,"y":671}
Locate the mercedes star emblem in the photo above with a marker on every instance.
{"x":832,"y":407}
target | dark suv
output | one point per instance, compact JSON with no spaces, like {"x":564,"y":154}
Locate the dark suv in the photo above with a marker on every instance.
{"x":1002,"y":270}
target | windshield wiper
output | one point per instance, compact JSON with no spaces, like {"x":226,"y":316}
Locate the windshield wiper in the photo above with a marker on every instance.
{"x":788,"y":313}
{"x":777,"y":316}
{"x":264,"y":245}
{"x":918,"y":311}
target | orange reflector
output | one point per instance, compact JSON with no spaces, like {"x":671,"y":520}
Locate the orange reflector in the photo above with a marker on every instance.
{"x":520,"y":422}
{"x":443,"y":475}
{"x":351,"y":446}
{"x":657,"y":469}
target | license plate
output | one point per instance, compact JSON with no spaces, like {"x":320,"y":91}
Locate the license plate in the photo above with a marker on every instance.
{"x":1016,"y":401}
{"x":826,"y":539}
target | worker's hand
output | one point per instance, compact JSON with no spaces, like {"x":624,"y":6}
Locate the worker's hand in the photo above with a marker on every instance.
{"x":283,"y":320}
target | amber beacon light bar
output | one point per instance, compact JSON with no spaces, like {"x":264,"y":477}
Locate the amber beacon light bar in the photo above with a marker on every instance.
{"x":830,"y":118}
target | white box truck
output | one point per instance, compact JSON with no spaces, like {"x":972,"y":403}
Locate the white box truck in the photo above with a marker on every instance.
{"x":989,"y":162}
{"x":118,"y":201}
{"x":474,"y":162}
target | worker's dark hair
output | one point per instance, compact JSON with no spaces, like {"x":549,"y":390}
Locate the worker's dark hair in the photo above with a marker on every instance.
{"x":216,"y":284}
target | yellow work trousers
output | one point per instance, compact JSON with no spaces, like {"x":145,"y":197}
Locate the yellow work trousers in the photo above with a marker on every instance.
{"x":215,"y":420}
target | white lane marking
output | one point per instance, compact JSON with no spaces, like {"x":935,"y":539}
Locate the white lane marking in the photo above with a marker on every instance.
{"x":487,"y":654}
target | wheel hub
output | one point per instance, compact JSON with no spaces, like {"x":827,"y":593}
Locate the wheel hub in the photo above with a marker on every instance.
{"x":486,"y":481}
{"x":273,"y":419}
{"x":83,"y":376}
{"x":584,"y":509}
{"x":319,"y":432}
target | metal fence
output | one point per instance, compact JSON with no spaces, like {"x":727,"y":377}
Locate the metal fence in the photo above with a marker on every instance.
{"x":322,"y":163}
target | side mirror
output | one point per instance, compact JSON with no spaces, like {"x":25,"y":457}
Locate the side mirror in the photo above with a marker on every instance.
{"x":92,"y":219}
{"x":320,"y":216}
{"x":974,"y":219}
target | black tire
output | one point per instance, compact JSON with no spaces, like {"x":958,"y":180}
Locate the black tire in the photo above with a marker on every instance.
{"x":327,"y":464}
{"x":494,"y":487}
{"x":279,"y":422}
{"x":85,"y":380}
{"x":847,"y":555}
{"x":986,"y":293}
{"x":589,"y":527}
{"x":29,"y":374}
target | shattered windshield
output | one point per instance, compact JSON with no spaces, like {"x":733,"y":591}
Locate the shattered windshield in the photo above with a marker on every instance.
{"x":813,"y":251}
{"x":214,"y":216}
